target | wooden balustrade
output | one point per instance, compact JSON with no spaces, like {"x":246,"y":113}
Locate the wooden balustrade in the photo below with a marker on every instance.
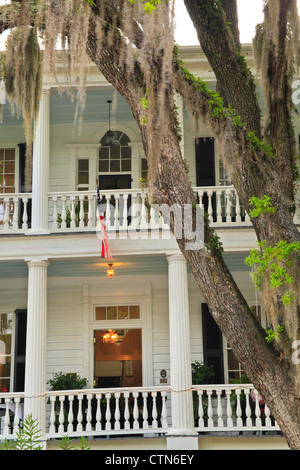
{"x":120,"y":411}
{"x":102,"y":412}
{"x":231,"y":408}
{"x":14,"y":212}
{"x":124,"y":210}
{"x":11,"y":414}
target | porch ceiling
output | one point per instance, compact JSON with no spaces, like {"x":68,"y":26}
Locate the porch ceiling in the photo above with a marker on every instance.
{"x":129,"y":265}
{"x":63,"y":109}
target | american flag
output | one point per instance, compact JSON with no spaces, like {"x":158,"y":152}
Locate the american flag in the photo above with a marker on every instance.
{"x":105,"y":250}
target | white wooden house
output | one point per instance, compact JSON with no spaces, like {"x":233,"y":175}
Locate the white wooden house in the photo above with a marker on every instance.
{"x":57,"y":301}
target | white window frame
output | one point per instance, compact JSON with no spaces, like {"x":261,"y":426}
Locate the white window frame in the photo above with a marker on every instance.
{"x":12,"y":311}
{"x":9,"y":145}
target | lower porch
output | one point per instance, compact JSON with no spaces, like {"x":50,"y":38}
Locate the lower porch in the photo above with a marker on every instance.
{"x":148,"y":413}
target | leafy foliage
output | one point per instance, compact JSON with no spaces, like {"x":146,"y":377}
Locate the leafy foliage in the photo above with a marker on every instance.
{"x":273,"y":263}
{"x":261,"y":205}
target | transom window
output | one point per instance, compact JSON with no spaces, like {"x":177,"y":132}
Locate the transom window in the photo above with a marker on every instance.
{"x":115,"y":158}
{"x":6,"y":320}
{"x":120,"y":312}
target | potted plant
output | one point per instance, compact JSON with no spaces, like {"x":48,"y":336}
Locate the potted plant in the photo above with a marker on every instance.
{"x":68,"y":381}
{"x":202,"y":374}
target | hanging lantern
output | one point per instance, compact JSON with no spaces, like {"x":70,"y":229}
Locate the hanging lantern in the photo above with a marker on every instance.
{"x":110,"y":271}
{"x":110,"y":138}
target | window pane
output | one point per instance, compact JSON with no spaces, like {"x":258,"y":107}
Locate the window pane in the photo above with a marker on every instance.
{"x":126,"y":165}
{"x":122,"y":312}
{"x":83,"y":165}
{"x":134,"y":312}
{"x":9,"y":154}
{"x":111,"y":313}
{"x":104,"y":153}
{"x":5,"y":323}
{"x":9,"y":166}
{"x":124,"y":140}
{"x":5,"y":367}
{"x":103,"y":165}
{"x":4,"y":385}
{"x":5,"y":345}
{"x":114,"y":165}
{"x":233,"y":363}
{"x":100,"y":313}
{"x":9,"y":180}
{"x":126,"y":153}
{"x":83,"y":178}
{"x":115,"y":152}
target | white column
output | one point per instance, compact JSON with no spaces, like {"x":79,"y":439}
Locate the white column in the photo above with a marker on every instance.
{"x":35,"y":366}
{"x":40,"y":172}
{"x":181,"y":376}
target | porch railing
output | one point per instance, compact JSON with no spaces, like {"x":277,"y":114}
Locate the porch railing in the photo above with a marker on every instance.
{"x":11,"y":414}
{"x":73,"y":211}
{"x":231,"y":408}
{"x":15,"y":211}
{"x":108,"y":412}
{"x":141,"y":411}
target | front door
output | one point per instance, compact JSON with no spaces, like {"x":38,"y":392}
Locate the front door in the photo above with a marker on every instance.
{"x":118,"y":358}
{"x":118,"y":182}
{"x":205,"y":168}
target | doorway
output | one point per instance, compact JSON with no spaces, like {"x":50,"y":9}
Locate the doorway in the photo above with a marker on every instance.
{"x":118,"y":182}
{"x":118,"y":358}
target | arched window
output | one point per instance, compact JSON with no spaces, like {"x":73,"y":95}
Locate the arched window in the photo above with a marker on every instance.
{"x":115,"y":157}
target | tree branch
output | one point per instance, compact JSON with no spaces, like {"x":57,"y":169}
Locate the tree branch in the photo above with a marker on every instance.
{"x":235,"y":80}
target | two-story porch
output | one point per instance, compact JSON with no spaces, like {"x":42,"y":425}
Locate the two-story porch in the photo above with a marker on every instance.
{"x":57,"y":302}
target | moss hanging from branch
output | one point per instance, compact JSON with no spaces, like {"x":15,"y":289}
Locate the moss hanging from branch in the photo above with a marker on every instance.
{"x":23,"y":78}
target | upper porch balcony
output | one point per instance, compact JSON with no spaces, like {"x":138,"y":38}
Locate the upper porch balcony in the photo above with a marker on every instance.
{"x":124,"y":211}
{"x":76,"y":211}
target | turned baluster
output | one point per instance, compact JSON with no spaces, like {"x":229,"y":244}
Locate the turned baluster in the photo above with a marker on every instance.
{"x":54,"y":223}
{"x":145,"y":410}
{"x":220,"y":410}
{"x":108,"y":412}
{"x":229,"y":409}
{"x":16,"y":213}
{"x":164,"y":421}
{"x":70,"y":414}
{"x":81,"y":211}
{"x":210,"y":410}
{"x":200,"y":410}
{"x":257,"y":409}
{"x":135,"y":410}
{"x":126,"y":411}
{"x":248,"y":408}
{"x":154,"y":410}
{"x":239,"y":419}
{"x":89,"y":413}
{"x":79,"y":415}
{"x":98,"y":412}
{"x":61,"y":417}
{"x":52,"y":414}
{"x":117,"y":426}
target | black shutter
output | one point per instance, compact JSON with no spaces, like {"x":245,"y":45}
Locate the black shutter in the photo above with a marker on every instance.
{"x":212,"y":345}
{"x":20,"y":350}
{"x":22,"y":187}
{"x":205,"y":161}
{"x":205,"y":168}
